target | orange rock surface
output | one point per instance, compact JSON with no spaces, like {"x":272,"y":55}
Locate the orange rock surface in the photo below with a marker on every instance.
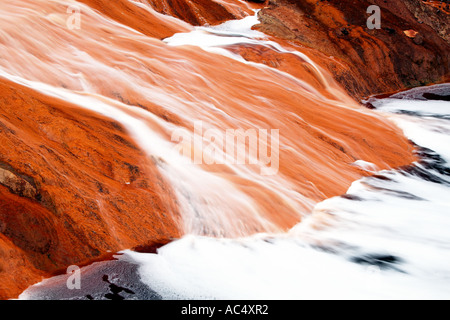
{"x":367,"y":61}
{"x":92,"y":191}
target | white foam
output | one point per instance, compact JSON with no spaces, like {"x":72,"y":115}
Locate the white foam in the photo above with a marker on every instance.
{"x":430,"y":128}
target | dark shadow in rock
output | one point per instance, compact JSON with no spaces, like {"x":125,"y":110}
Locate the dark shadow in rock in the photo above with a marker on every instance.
{"x":115,"y":290}
{"x":383,"y":261}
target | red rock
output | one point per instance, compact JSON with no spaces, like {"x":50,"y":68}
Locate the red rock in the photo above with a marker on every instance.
{"x":410,"y":33}
{"x":137,"y":18}
{"x":199,"y":12}
{"x":80,"y":207}
{"x":372,"y":61}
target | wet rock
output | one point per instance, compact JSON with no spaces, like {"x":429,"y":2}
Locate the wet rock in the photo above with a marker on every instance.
{"x":138,"y":18}
{"x":415,"y":36}
{"x":104,"y":280}
{"x":367,"y":61}
{"x":410,"y":33}
{"x":17,"y":184}
{"x":63,"y":197}
{"x":383,"y":261}
{"x":99,"y":192}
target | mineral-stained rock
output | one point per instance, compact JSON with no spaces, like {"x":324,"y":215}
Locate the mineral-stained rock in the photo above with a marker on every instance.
{"x":198,"y":12}
{"x":432,"y":13}
{"x":73,"y":183}
{"x":17,"y":184}
{"x":72,"y":187}
{"x":376,"y":60}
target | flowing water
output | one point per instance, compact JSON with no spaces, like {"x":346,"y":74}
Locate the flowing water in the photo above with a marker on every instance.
{"x":248,"y":235}
{"x":386,"y":238}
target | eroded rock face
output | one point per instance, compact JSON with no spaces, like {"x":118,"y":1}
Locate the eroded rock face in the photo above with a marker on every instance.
{"x":195,"y":13}
{"x":374,"y":60}
{"x":72,"y":187}
{"x":23,"y":186}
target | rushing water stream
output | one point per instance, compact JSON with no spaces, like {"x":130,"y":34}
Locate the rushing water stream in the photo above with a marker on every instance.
{"x":248,"y":235}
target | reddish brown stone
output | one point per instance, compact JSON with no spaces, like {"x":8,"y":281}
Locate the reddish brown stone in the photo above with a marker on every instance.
{"x":79,"y":206}
{"x":373,"y":61}
{"x":197,"y":12}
